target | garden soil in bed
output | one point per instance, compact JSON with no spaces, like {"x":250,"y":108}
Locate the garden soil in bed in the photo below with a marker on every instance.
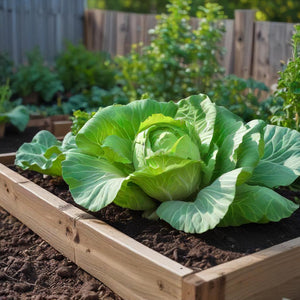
{"x":198,"y":252}
{"x":13,"y":139}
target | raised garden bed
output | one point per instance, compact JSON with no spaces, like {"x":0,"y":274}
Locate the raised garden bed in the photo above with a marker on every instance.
{"x":13,"y":139}
{"x":133,"y":270}
{"x":59,"y":125}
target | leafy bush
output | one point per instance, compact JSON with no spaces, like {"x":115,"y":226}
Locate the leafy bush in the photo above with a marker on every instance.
{"x":242,"y":97}
{"x":36,"y":78}
{"x":288,"y":89}
{"x":194,"y":164}
{"x":88,"y":100}
{"x":179,"y":61}
{"x":79,"y":119}
{"x":80,"y":69}
{"x":6,"y":68}
{"x":12,"y":111}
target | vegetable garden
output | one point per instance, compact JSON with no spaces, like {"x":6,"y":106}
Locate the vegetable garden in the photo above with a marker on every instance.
{"x":162,"y":177}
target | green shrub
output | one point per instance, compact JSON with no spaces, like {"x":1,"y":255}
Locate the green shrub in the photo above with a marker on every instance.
{"x":12,"y":111}
{"x":288,"y":89}
{"x":80,"y":69}
{"x":179,"y":61}
{"x":36,"y":78}
{"x":6,"y":68}
{"x":242,"y":97}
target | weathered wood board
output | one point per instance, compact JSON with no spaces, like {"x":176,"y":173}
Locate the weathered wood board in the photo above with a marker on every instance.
{"x":133,"y":270}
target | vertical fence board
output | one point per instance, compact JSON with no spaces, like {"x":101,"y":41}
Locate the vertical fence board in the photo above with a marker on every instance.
{"x":261,"y":60}
{"x":228,"y":43}
{"x":243,"y":32}
{"x":25,"y":24}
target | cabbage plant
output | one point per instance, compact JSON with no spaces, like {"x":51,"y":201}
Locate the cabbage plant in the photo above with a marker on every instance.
{"x":45,"y":153}
{"x":192,"y":163}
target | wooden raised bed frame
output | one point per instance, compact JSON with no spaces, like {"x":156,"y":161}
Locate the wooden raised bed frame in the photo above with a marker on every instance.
{"x":133,"y":270}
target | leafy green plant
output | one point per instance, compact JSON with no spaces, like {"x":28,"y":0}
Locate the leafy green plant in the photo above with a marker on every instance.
{"x":6,"y":68}
{"x":12,"y":111}
{"x":79,"y":119}
{"x":36,"y":78}
{"x":45,"y":153}
{"x":242,"y":97}
{"x":89,"y":100}
{"x":80,"y":69}
{"x":194,"y":164}
{"x":288,"y":89}
{"x":179,"y":61}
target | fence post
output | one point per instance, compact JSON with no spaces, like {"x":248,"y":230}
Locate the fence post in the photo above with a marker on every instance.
{"x":243,"y":42}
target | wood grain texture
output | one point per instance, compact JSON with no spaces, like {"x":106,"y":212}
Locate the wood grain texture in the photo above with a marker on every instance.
{"x":61,"y":128}
{"x":243,"y":40}
{"x":107,"y":254}
{"x":132,"y":270}
{"x":270,"y":274}
{"x":7,"y":158}
{"x":25,"y":24}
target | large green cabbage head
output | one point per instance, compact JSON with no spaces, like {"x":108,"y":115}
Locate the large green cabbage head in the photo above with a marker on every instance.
{"x":194,"y":164}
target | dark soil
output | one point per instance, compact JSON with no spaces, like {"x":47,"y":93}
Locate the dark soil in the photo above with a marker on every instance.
{"x":54,"y":275}
{"x":31,"y":269}
{"x":13,"y":138}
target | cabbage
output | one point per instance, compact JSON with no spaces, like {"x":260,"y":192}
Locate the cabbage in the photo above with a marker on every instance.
{"x":194,"y":164}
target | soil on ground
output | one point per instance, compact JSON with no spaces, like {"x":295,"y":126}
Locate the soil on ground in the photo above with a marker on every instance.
{"x":29,"y":266}
{"x":13,"y":138}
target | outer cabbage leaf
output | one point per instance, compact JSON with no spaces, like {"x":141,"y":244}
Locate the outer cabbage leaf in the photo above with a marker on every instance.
{"x":207,"y":210}
{"x":257,"y":204}
{"x":44,"y":154}
{"x":95,"y":183}
{"x":280,"y":164}
{"x":242,"y":148}
{"x":119,"y":120}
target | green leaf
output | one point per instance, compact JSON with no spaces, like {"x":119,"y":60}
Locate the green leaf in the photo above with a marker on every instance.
{"x":18,"y":117}
{"x":44,"y":154}
{"x":168,"y":178}
{"x":119,"y":120}
{"x":117,"y":149}
{"x":160,"y":135}
{"x":94,"y":182}
{"x":280,"y":164}
{"x":258,"y":205}
{"x":241,"y":148}
{"x":206,"y":211}
{"x":200,"y":113}
{"x":133,"y":197}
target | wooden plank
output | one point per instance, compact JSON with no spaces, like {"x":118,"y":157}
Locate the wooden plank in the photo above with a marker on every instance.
{"x":39,"y":210}
{"x":272,"y":273}
{"x":61,"y":128}
{"x":228,"y":44}
{"x":122,"y":33}
{"x":92,"y":244}
{"x":261,"y":60}
{"x":149,"y":275}
{"x":7,"y":158}
{"x":43,"y":123}
{"x":243,"y":45}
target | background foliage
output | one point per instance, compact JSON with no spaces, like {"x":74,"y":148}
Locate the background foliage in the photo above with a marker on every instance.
{"x":271,"y":10}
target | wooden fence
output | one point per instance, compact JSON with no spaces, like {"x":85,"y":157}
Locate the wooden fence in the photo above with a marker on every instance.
{"x":254,"y":49}
{"x":25,"y":24}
